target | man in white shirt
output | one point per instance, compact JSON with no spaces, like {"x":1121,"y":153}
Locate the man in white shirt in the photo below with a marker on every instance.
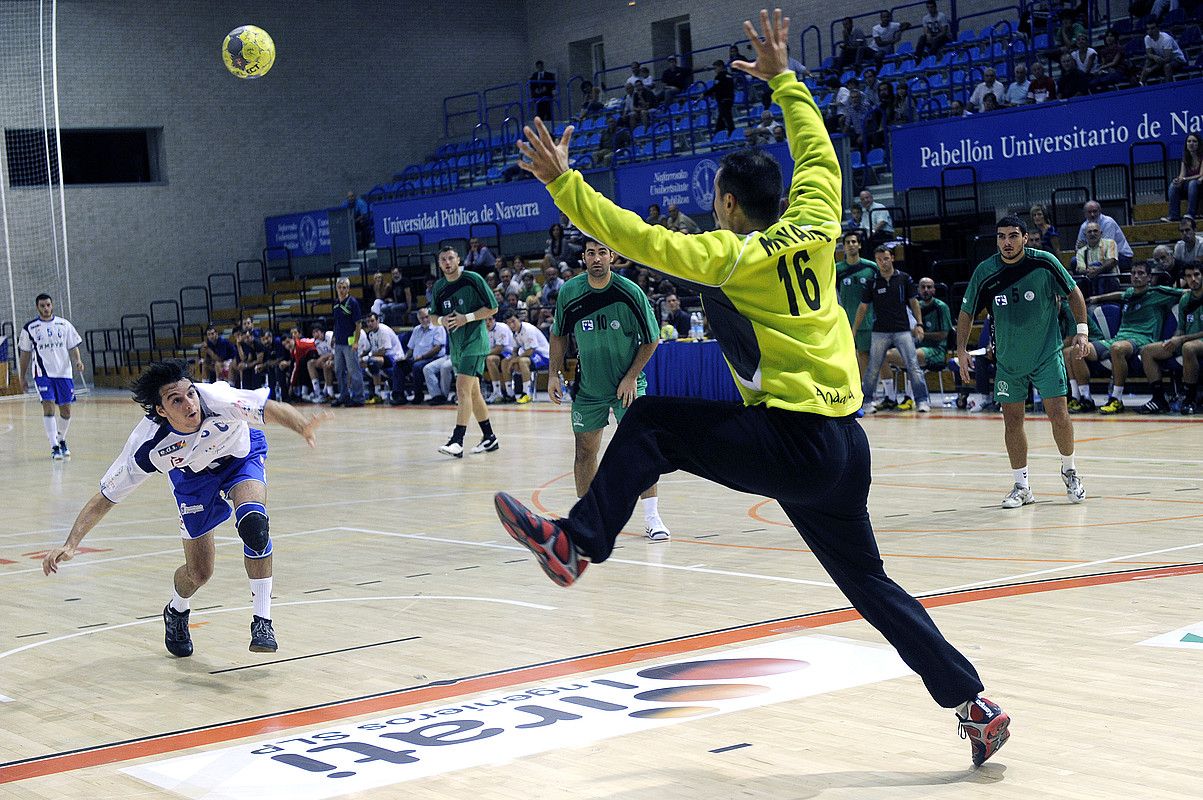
{"x":936,"y":32}
{"x":1110,"y":230}
{"x":1162,"y":53}
{"x":52,"y":344}
{"x":382,"y":351}
{"x":426,"y":343}
{"x":1188,"y":250}
{"x":989,"y":85}
{"x":501,"y":348}
{"x":886,"y":35}
{"x":1017,"y":92}
{"x":531,"y":353}
{"x":198,"y":435}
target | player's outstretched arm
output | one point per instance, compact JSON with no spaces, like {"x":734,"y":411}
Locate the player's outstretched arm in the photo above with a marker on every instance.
{"x":304,"y":424}
{"x":89,"y":516}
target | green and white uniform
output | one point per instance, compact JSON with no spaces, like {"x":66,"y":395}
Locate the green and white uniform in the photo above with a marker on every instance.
{"x":850,"y":280}
{"x":468,"y":345}
{"x":1143,"y":317}
{"x":609,"y":325}
{"x":1190,"y":313}
{"x":936,"y":317}
{"x":1023,"y":300}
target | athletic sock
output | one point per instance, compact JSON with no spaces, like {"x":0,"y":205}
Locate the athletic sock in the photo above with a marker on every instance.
{"x":1067,"y":463}
{"x":1117,"y":392}
{"x":457,"y":435}
{"x":179,"y":604}
{"x":1084,"y":392}
{"x":486,"y":429}
{"x":1189,"y":391}
{"x":651,"y":508}
{"x":1021,"y":477}
{"x":1158,"y":387}
{"x":496,"y":387}
{"x":51,"y":430}
{"x":1073,"y":388}
{"x":63,"y":424}
{"x":963,"y":709}
{"x":892,"y":389}
{"x":261,"y":597}
{"x":317,"y":387}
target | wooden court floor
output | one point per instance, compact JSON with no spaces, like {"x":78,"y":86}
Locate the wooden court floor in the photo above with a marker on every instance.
{"x":423,"y":656}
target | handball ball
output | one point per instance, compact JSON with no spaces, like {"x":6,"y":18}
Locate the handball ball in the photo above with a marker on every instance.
{"x":668,"y":333}
{"x":248,"y":51}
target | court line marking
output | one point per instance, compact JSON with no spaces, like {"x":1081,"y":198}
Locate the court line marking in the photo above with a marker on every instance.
{"x":273,"y":723}
{"x":1079,"y":456}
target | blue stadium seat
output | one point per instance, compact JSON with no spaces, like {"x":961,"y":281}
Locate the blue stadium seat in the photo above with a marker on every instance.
{"x":639,"y":132}
{"x":847,"y":75}
{"x":1190,"y":37}
{"x":739,"y":137}
{"x":904,"y":49}
{"x":855,"y":162}
{"x":929,"y":62}
{"x":827,"y":63}
{"x":1040,"y":41}
{"x":876,"y":157}
{"x":889,"y":70}
{"x":1175,"y":17}
{"x":966,"y":35}
{"x":938,"y":81}
{"x":719,"y":139}
{"x":594,"y":140}
{"x":664,"y":147}
{"x":945,"y":59}
{"x":908,"y":67}
{"x":493,"y":175}
{"x":644,"y":150}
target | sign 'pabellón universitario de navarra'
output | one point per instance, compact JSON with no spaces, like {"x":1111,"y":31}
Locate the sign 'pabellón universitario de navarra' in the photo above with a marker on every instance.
{"x":1049,"y":138}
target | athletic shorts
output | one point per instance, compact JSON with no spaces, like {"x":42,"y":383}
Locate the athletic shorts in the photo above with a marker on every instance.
{"x":201,"y":495}
{"x":375,"y":368}
{"x":538,"y":361}
{"x":1048,"y":378}
{"x":593,"y":414}
{"x":60,"y":391}
{"x":864,"y":340}
{"x":472,"y":366}
{"x":934,"y":356}
{"x":1102,"y":347}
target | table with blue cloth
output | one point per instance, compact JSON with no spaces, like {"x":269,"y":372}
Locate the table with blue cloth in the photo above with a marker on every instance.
{"x":690,"y":369}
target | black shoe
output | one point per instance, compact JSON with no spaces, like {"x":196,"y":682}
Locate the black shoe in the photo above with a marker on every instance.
{"x":1155,"y":406}
{"x":353,"y":404}
{"x":437,"y":400}
{"x":177,"y":637}
{"x":336,"y":402}
{"x":62,"y":447}
{"x":263,"y":638}
{"x":1187,"y":409}
{"x":396,"y":400}
{"x":487,"y":445}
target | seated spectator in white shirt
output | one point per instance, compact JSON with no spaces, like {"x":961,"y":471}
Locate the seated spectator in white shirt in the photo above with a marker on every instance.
{"x":677,"y":221}
{"x":936,"y":32}
{"x":501,"y":347}
{"x":766,"y":131}
{"x":1085,"y":56}
{"x":1162,"y":53}
{"x":989,"y":85}
{"x":1017,"y":92}
{"x":531,"y":353}
{"x":382,"y":351}
{"x":886,"y":35}
{"x":1189,"y":249}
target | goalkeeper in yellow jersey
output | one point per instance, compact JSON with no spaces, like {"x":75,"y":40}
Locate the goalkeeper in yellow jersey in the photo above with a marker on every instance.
{"x":768,"y":285}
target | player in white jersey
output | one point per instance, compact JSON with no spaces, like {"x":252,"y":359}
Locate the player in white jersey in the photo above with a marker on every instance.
{"x":197,"y":434}
{"x":52,"y":344}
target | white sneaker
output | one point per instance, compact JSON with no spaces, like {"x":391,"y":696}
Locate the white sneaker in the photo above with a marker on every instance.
{"x":923,"y":407}
{"x":1019,"y":496}
{"x":655,"y":530}
{"x":486,"y":446}
{"x":1073,"y":486}
{"x":452,"y":449}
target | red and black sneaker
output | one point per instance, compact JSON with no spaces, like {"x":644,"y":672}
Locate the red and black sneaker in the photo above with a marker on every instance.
{"x":985,"y":727}
{"x":544,"y":537}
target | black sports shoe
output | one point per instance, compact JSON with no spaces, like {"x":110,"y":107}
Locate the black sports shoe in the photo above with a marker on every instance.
{"x":1155,"y":406}
{"x":545,"y":538}
{"x":263,"y":638}
{"x":62,"y":447}
{"x":1186,"y":409}
{"x":177,"y":638}
{"x":487,"y":445}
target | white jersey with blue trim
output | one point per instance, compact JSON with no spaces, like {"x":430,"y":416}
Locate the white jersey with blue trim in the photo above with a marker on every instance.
{"x":156,"y":447}
{"x":50,"y":341}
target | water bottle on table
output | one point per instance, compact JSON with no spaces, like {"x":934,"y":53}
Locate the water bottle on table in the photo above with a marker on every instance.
{"x":696,"y":328}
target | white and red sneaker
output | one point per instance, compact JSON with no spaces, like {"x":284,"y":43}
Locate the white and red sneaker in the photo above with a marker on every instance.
{"x":985,"y":726}
{"x":545,"y":538}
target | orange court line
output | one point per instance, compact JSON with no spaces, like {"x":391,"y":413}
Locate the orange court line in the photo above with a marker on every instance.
{"x":403,"y":698}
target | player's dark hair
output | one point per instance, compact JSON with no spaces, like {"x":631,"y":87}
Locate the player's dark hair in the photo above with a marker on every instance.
{"x":882,"y":248}
{"x":1143,"y":265}
{"x":41,"y":297}
{"x":505,"y":315}
{"x":754,"y":178}
{"x":1011,"y":221}
{"x":146,"y":387}
{"x":586,"y":238}
{"x":447,"y":247}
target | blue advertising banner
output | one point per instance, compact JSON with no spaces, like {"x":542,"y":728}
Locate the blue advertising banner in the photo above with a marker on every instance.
{"x":306,"y":234}
{"x":1048,"y":138}
{"x":686,"y":182}
{"x":520,"y":207}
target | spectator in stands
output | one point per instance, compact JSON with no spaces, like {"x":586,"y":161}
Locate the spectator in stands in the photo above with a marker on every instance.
{"x":276,"y":367}
{"x":766,"y":131}
{"x":871,"y":88}
{"x":677,"y":221}
{"x":890,"y":293}
{"x":957,"y":109}
{"x":1042,"y":88}
{"x":1188,"y":250}
{"x":988,"y":85}
{"x":1190,"y":175}
{"x":382,"y":351}
{"x":937,"y":32}
{"x":531,"y":352}
{"x":320,"y":360}
{"x":1085,"y":57}
{"x":426,"y":343}
{"x":362,"y":219}
{"x":551,"y":286}
{"x":634,"y":77}
{"x":1098,"y":261}
{"x":876,"y":221}
{"x":375,"y":293}
{"x":1187,"y":341}
{"x":614,"y":137}
{"x":398,"y":298}
{"x":1017,"y":91}
{"x":676,"y":316}
{"x":478,"y":258}
{"x":990,"y":103}
{"x":723,"y":93}
{"x":857,"y":122}
{"x":735,"y":54}
{"x":1162,"y":53}
{"x":1093,"y":212}
{"x":1113,"y":63}
{"x":854,"y":46}
{"x":904,"y":105}
{"x":1071,"y":28}
{"x":559,"y":249}
{"x":1073,"y":82}
{"x":439,"y":377}
{"x":854,"y":220}
{"x":347,"y":330}
{"x":1162,"y":267}
{"x":676,"y":79}
{"x":1144,"y":313}
{"x":1050,"y":240}
{"x":592,"y":104}
{"x":542,"y":87}
{"x":217,"y":356}
{"x":654,"y":217}
{"x":249,"y":357}
{"x":886,"y":35}
{"x":571,"y":232}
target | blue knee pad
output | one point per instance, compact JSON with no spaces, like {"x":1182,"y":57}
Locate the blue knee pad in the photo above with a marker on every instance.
{"x":251,"y":519}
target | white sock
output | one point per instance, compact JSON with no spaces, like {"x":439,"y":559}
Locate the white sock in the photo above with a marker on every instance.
{"x":179,"y":604}
{"x":261,"y":597}
{"x":1073,"y":388}
{"x":963,"y":709}
{"x":317,"y":387}
{"x":892,"y":389}
{"x":496,"y":387}
{"x":1067,"y":463}
{"x":1084,"y":392}
{"x":51,"y":430}
{"x":651,"y":508}
{"x":1117,"y":391}
{"x":1021,"y":477}
{"x":63,"y":424}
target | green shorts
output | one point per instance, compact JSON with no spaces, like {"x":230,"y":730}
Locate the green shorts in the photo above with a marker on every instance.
{"x":933,"y":356}
{"x":593,"y":414}
{"x":864,"y":340}
{"x":473,"y":366}
{"x":1102,"y":347}
{"x":1048,"y":378}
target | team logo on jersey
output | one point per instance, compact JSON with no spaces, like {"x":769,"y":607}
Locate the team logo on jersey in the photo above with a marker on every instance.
{"x":614,"y":324}
{"x":178,"y":461}
{"x":848,"y":281}
{"x":166,"y":451}
{"x":577,"y":420}
{"x":586,"y":324}
{"x":1029,"y":296}
{"x":1001,"y":388}
{"x":446,"y":304}
{"x":1000,"y":299}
